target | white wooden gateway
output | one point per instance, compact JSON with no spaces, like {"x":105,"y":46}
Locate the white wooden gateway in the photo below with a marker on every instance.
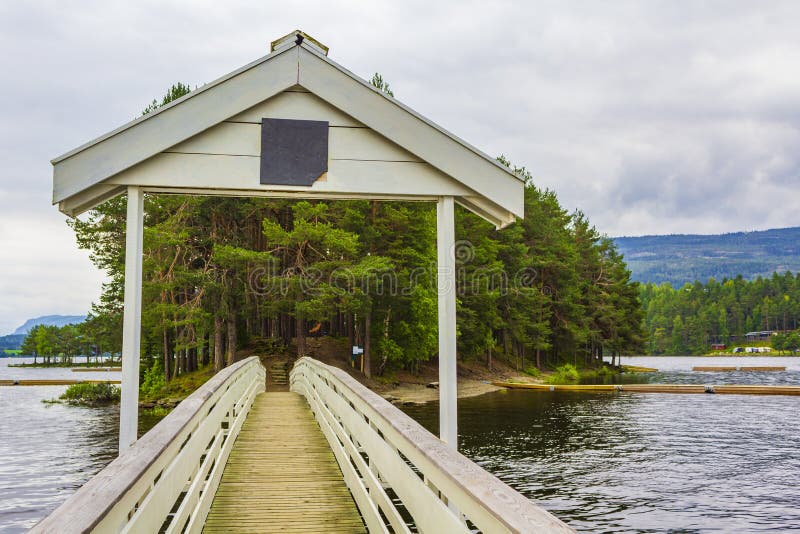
{"x":347,"y":139}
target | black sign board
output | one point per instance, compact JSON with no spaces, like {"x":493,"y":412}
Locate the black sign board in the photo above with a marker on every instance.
{"x":293,"y":152}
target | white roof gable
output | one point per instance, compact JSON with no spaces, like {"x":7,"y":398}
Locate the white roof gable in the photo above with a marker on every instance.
{"x":206,"y":143}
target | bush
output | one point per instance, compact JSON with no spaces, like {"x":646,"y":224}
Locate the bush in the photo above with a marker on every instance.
{"x":606,"y":372}
{"x":533,"y":371}
{"x":91,"y":394}
{"x":566,"y":374}
{"x":153,"y":379}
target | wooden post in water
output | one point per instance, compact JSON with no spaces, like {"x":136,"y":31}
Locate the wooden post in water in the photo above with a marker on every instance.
{"x":132,"y":322}
{"x":446,"y":289}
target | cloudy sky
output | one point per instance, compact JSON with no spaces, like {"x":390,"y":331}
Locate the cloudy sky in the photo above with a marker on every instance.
{"x":650,"y":116}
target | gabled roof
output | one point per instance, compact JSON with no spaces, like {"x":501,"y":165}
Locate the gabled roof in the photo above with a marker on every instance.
{"x":79,"y":175}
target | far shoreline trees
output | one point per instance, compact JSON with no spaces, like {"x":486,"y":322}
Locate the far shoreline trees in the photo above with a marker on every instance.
{"x":687,"y":320}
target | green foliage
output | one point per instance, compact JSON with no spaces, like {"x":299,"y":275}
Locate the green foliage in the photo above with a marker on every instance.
{"x":378,"y":82}
{"x":153,"y":380}
{"x":59,"y":344}
{"x":173,"y":93}
{"x":786,"y":342}
{"x":91,"y":394}
{"x":533,"y":371}
{"x":689,"y":319}
{"x":565,"y":374}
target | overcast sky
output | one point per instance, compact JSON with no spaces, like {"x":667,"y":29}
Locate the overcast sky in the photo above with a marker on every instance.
{"x":651,"y":117}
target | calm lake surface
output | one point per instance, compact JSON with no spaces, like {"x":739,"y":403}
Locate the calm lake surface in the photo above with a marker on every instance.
{"x":625,"y":462}
{"x":47,"y":451}
{"x":617,"y":462}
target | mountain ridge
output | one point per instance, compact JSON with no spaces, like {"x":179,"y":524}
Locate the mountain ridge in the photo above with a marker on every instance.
{"x":48,"y":320}
{"x":685,"y":258}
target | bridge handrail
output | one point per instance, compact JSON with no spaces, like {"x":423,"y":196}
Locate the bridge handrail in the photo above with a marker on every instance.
{"x":383,"y":453}
{"x":167,"y":479}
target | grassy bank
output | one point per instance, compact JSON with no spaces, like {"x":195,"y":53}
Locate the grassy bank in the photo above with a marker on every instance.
{"x":569,"y":374}
{"x":156,"y":394}
{"x":89,"y":394}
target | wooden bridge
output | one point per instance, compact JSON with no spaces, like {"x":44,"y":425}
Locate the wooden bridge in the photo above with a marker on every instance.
{"x":328,"y":456}
{"x":292,"y":124}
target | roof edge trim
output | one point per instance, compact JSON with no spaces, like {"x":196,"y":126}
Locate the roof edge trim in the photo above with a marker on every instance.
{"x":166,"y":107}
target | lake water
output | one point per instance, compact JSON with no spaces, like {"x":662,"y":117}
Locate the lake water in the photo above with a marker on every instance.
{"x":627,"y":462}
{"x":47,"y":451}
{"x":616,"y":462}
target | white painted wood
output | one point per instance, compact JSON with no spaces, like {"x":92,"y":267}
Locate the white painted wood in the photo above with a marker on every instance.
{"x":357,"y":421}
{"x":151,"y":134}
{"x":293,"y":104}
{"x":138,"y":489}
{"x":380,"y":178}
{"x":366,"y":489}
{"x":132,"y":321}
{"x":323,"y":195}
{"x":387,"y":116}
{"x":244,"y":139}
{"x":269,"y":87}
{"x":290,"y":39}
{"x":488,"y":210}
{"x":89,"y":198}
{"x":446,"y":289}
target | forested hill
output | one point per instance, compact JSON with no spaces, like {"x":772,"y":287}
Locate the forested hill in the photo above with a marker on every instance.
{"x":48,"y":320}
{"x":683,"y":258}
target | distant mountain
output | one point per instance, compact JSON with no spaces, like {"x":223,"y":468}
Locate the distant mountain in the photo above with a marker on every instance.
{"x":11,"y":342}
{"x":49,"y":320}
{"x":683,"y":258}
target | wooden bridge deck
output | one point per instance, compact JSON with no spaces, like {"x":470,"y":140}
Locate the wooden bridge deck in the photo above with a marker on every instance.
{"x":282,"y":476}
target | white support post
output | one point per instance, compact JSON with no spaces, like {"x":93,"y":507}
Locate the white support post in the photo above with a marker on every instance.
{"x":446,"y":288}
{"x":132,"y":322}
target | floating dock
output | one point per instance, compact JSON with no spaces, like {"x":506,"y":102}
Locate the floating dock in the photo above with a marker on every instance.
{"x":637,"y":369}
{"x":54,"y":382}
{"x":738,"y":368}
{"x":737,"y":389}
{"x":97,"y":369}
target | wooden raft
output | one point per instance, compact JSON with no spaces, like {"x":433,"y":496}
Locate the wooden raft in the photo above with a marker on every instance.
{"x":732,"y":389}
{"x":282,"y":476}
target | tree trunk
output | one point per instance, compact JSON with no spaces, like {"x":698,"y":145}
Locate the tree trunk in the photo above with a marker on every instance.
{"x":175,"y":356}
{"x":219,"y":359}
{"x":367,"y":350}
{"x":207,"y":349}
{"x":166,"y":355}
{"x":351,"y":332}
{"x":385,"y":356}
{"x":300,"y":335}
{"x":192,"y":357}
{"x":231,"y":356}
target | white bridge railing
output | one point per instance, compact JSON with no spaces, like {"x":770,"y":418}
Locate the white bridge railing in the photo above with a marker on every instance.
{"x":401,"y":476}
{"x":167,"y":479}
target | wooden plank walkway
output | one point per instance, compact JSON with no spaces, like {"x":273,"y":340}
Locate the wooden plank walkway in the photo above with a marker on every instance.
{"x":282,"y":476}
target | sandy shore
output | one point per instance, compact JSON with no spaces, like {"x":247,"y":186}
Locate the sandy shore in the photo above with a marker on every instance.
{"x":421,"y":394}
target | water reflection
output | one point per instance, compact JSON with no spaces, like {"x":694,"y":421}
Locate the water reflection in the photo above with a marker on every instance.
{"x":47,"y":451}
{"x":640,"y":463}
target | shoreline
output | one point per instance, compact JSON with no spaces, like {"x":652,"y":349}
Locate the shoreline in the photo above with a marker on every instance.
{"x":408,"y":393}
